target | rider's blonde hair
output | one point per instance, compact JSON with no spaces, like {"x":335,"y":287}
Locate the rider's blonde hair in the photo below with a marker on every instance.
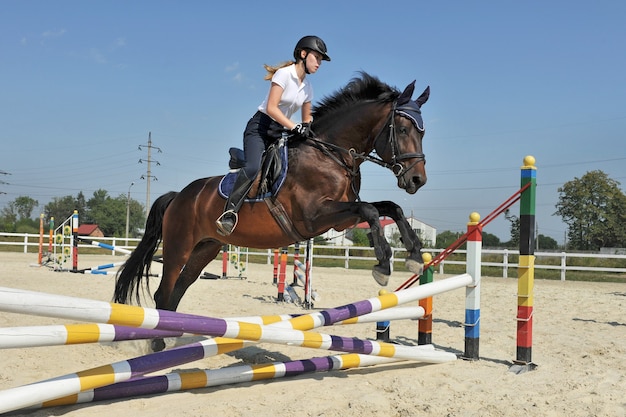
{"x":272,"y":69}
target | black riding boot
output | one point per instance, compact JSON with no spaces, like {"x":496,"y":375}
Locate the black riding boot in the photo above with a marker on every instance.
{"x":227,"y":222}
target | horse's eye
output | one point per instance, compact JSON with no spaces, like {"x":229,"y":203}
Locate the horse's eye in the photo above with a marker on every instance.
{"x":403,"y":130}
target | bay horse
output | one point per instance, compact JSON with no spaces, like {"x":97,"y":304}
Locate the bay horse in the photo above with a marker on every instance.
{"x":320,"y":192}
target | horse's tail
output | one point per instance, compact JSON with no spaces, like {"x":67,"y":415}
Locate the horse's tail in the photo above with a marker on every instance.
{"x":128,"y":278}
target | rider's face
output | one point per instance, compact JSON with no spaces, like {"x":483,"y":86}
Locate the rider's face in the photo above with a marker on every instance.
{"x":313,"y":61}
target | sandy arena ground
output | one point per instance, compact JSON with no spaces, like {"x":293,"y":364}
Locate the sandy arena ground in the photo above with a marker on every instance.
{"x":579,"y":345}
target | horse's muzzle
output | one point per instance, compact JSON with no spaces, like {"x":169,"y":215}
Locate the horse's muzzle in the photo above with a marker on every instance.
{"x":412,"y":183}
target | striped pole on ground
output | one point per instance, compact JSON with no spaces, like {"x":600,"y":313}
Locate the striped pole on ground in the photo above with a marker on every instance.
{"x":526,"y":269}
{"x":472,"y":292}
{"x":71,"y":384}
{"x":186,"y":380}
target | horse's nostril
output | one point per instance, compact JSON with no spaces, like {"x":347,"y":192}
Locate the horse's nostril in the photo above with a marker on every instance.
{"x":419,"y":180}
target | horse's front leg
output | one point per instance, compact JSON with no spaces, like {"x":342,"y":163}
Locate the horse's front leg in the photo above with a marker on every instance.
{"x":382,"y":249}
{"x":409,"y":238}
{"x":343,"y":214}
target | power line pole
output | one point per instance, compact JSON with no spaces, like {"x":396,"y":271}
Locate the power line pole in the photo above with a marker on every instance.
{"x":149,"y":177}
{"x":3,"y":182}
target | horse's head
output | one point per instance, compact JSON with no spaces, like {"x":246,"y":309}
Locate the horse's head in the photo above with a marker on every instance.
{"x":401,"y":148}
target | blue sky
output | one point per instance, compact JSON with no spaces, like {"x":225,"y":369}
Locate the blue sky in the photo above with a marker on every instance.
{"x":83,"y":82}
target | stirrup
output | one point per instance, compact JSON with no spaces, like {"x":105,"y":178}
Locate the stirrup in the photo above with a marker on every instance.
{"x":225,"y":229}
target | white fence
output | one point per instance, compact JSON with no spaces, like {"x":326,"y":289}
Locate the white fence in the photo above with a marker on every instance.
{"x":544,"y":260}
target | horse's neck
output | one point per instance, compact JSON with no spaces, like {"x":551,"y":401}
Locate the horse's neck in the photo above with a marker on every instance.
{"x":357,"y":127}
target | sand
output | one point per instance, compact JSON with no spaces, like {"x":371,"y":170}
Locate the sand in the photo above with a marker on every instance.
{"x":579,"y":347}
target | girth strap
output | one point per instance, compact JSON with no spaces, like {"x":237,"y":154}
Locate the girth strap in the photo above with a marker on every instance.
{"x":283,"y":219}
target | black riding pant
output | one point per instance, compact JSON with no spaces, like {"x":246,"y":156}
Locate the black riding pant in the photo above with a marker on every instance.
{"x":260,"y":132}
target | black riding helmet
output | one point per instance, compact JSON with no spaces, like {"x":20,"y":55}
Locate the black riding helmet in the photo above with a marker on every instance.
{"x":314,"y":44}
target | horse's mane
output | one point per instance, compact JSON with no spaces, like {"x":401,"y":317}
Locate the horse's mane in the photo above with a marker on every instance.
{"x":363,"y":88}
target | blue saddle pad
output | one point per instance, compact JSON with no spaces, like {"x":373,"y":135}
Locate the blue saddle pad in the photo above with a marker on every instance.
{"x":227,"y":182}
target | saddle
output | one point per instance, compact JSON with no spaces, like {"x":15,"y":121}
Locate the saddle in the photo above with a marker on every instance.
{"x":271,"y":178}
{"x":274,"y":164}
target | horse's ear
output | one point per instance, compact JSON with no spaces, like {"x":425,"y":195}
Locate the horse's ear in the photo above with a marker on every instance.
{"x":405,"y":97}
{"x":424,"y":97}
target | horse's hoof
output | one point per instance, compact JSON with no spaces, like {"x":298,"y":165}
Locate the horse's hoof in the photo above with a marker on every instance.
{"x":381,"y":275}
{"x":157,"y":345}
{"x":414,"y":266}
{"x":382,"y":280}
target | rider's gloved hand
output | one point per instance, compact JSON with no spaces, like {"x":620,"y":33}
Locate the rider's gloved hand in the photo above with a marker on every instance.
{"x":303,"y":129}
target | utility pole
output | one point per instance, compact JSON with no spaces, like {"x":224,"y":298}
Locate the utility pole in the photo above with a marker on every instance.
{"x":128,"y":211}
{"x":149,"y":177}
{"x":3,"y":182}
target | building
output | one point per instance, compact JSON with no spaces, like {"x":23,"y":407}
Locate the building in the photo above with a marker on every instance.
{"x":90,"y":230}
{"x":426,"y":233}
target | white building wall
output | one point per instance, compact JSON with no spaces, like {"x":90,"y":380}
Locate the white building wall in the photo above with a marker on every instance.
{"x":427,"y":233}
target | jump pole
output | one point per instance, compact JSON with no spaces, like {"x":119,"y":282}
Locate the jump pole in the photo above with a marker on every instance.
{"x":69,"y":307}
{"x":71,"y":334}
{"x":179,"y":381}
{"x":104,"y":246}
{"x":73,"y":308}
{"x":45,"y":392}
{"x":526,"y":269}
{"x":111,"y":313}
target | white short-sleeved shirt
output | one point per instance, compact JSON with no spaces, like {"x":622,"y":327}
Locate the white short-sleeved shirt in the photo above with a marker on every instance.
{"x":295,"y":93}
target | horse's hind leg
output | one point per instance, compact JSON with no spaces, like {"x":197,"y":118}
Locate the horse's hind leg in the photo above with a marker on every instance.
{"x":409,"y":238}
{"x":202,"y":254}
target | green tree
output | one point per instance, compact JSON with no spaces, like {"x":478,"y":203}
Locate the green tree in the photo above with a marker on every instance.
{"x":514,"y":228}
{"x":24,"y":207}
{"x":8,"y":218}
{"x":61,"y":208}
{"x":359,"y":237}
{"x":594,"y":208}
{"x":16,"y":216}
{"x":546,"y":242}
{"x":491,"y":241}
{"x":446,"y":238}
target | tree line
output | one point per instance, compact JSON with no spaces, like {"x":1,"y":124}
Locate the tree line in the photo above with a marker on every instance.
{"x":109,"y":213}
{"x":593,"y":207}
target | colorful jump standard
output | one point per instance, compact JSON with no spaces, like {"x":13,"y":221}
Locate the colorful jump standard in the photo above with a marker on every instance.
{"x":425,"y":334}
{"x":472,"y":292}
{"x":526,"y":269}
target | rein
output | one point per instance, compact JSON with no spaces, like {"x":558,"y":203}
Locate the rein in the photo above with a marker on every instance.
{"x":395,"y":166}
